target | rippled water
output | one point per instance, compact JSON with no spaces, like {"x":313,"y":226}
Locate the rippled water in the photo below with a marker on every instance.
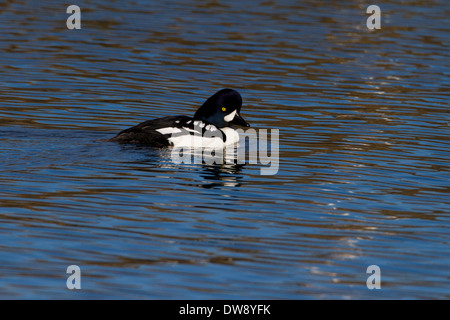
{"x":364,"y":150}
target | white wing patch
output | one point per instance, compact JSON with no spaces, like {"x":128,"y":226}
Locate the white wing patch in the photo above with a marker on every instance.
{"x":170,"y":130}
{"x":201,"y":124}
{"x":210,"y":127}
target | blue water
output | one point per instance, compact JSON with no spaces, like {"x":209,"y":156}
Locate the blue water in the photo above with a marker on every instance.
{"x":364,"y":152}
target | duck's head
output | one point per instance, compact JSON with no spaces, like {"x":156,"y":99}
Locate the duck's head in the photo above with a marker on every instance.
{"x":222,"y":109}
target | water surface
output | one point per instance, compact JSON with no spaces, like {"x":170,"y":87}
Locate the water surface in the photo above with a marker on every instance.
{"x":364,"y":151}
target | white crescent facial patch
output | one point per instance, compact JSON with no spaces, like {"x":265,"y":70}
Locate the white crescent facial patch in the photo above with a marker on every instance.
{"x":230,"y":117}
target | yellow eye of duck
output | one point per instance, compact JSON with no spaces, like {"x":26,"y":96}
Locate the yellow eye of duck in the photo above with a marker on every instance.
{"x":224,"y":109}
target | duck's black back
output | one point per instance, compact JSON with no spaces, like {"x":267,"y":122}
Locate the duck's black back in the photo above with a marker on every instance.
{"x":145,"y":133}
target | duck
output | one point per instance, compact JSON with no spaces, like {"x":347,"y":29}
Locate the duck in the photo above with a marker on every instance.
{"x":211,"y":125}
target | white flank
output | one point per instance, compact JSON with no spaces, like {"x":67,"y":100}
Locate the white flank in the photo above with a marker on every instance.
{"x":198,"y":141}
{"x":231,"y":134}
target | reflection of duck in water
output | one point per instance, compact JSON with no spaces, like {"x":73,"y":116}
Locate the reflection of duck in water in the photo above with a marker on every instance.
{"x":223,"y":173}
{"x":222,"y":169}
{"x":227,"y":175}
{"x":211,"y":124}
